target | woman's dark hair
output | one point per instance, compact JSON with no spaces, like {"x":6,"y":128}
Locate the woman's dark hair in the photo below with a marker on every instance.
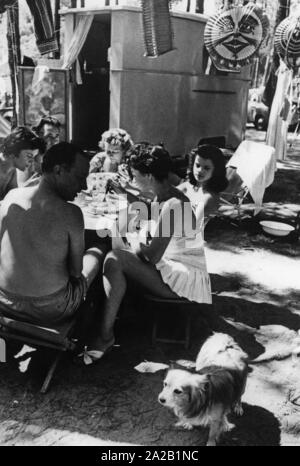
{"x":150,"y":159}
{"x":62,"y":153}
{"x":46,"y":121}
{"x":19,"y":139}
{"x":218,"y":182}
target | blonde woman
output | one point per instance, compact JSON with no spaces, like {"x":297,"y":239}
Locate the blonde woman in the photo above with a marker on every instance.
{"x":115,"y":142}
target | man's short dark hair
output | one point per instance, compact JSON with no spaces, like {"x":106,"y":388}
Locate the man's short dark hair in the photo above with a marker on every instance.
{"x":47,"y":121}
{"x":63,"y":153}
{"x":19,"y":139}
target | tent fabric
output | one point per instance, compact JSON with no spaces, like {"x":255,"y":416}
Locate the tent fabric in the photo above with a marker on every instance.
{"x":43,"y":24}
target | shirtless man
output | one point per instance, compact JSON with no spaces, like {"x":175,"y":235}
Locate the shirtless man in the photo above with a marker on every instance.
{"x":18,"y":151}
{"x":44,"y":272}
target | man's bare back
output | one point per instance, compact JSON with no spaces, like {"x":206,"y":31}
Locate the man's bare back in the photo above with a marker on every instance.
{"x":35,"y":228}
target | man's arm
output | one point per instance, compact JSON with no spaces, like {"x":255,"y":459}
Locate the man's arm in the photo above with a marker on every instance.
{"x":76,"y":241}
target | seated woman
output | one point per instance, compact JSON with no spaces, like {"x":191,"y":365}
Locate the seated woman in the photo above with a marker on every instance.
{"x":115,"y":142}
{"x":32,"y":175}
{"x":206,"y":178}
{"x":18,"y":152}
{"x":169,"y":264}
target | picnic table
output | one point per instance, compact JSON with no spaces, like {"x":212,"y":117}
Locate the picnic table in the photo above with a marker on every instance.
{"x":105,"y":215}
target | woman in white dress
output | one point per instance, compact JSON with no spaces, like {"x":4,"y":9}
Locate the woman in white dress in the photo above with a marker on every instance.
{"x":169,"y":261}
{"x":206,"y":178}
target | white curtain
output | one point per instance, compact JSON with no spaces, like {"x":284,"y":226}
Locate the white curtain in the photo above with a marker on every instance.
{"x":78,"y":39}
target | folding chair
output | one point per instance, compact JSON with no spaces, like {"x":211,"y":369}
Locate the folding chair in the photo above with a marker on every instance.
{"x":36,"y":336}
{"x":250,"y":170}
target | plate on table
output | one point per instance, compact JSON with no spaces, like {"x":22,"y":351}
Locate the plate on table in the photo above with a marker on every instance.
{"x":91,"y":210}
{"x":106,"y":208}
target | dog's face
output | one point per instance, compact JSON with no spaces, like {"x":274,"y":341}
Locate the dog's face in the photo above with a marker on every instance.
{"x":184,"y":392}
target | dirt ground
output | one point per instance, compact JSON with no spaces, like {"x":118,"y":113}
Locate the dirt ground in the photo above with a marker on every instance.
{"x":256,"y":287}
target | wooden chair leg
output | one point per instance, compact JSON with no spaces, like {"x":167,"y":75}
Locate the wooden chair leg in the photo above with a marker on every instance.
{"x":50,"y":373}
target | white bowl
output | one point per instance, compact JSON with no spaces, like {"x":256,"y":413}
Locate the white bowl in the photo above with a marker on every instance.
{"x":276,"y":228}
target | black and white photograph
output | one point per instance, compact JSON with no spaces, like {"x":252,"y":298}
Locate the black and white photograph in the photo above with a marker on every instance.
{"x":149,"y":226}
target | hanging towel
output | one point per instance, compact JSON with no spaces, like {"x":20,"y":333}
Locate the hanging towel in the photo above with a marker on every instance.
{"x":43,"y":25}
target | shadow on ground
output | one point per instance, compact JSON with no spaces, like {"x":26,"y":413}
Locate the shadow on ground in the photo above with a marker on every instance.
{"x":110,"y":405}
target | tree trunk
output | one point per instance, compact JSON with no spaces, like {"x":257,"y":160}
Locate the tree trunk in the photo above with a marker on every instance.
{"x":14,"y":55}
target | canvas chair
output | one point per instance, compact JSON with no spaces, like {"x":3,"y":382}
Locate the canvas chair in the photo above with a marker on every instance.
{"x":250,"y":170}
{"x":55,"y":339}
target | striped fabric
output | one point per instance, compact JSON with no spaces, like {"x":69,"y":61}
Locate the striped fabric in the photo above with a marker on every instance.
{"x":158,"y":32}
{"x":43,"y":25}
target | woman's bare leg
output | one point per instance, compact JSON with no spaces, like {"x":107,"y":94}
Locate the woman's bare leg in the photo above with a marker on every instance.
{"x":93,"y":261}
{"x":118,"y":266}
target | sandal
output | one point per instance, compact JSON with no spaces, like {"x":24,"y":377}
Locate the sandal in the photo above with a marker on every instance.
{"x":89,"y":357}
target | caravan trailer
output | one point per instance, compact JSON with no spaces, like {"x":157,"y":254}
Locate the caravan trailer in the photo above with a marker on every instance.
{"x":166,"y":99}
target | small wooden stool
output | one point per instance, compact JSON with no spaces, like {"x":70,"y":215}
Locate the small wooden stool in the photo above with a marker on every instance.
{"x":187,"y":308}
{"x":36,"y":336}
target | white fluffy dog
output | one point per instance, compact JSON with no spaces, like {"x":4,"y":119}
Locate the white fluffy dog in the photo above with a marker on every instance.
{"x":205,"y":397}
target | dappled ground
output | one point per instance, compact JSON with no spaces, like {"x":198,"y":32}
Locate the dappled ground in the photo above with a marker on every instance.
{"x":256,"y":286}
